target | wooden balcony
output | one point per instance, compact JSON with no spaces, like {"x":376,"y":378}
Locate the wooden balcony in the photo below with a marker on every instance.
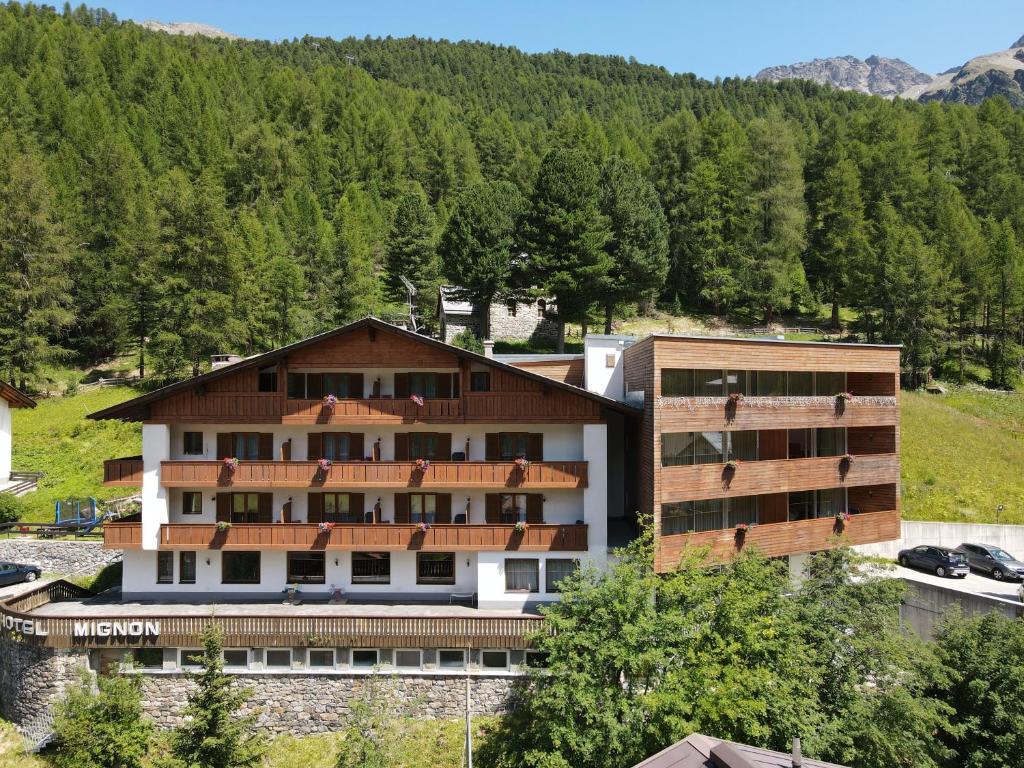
{"x":374,"y":474}
{"x":382,"y":538}
{"x":751,"y":478}
{"x":123,"y":472}
{"x":704,"y":414}
{"x":123,"y":534}
{"x":371,"y":411}
{"x":777,"y":539}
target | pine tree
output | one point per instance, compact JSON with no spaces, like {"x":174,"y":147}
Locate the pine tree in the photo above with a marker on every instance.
{"x":411,"y":253}
{"x":1007,"y":269}
{"x":359,"y":242}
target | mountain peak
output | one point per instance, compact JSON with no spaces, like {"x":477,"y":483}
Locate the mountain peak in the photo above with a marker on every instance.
{"x":1019,"y":43}
{"x":876,"y":75}
{"x":187,"y":28}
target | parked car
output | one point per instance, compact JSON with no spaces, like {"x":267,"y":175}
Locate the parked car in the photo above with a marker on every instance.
{"x":942,"y":561}
{"x":995,"y":561}
{"x":15,"y":573}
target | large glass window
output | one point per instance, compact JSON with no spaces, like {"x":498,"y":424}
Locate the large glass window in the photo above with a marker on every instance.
{"x":829,"y":383}
{"x":556,"y":569}
{"x":187,"y":568}
{"x":742,"y":445}
{"x":677,"y":382}
{"x":801,"y":384}
{"x":423,"y":384}
{"x":245,"y":507}
{"x":336,"y":446}
{"x":164,"y":567}
{"x":741,"y":509}
{"x":247,"y":445}
{"x":738,"y":381}
{"x":240,"y":567}
{"x":422,"y":508}
{"x":800,"y":444}
{"x":513,"y":445}
{"x":684,"y":448}
{"x":692,"y":516}
{"x":435,"y":568}
{"x":831,"y":441}
{"x":337,"y":509}
{"x":423,"y":445}
{"x":801,"y":505}
{"x":340,"y":385}
{"x":513,"y":508}
{"x":770,"y":383}
{"x":306,"y":568}
{"x":371,"y":567}
{"x":831,"y":502}
{"x":708,"y":383}
{"x":522,"y":575}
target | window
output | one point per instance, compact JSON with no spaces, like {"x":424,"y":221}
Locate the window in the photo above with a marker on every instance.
{"x":423,"y":445}
{"x":770,"y":383}
{"x":190,"y":658}
{"x":831,"y":441}
{"x":738,"y":381}
{"x":692,"y":516}
{"x":148,"y":658}
{"x":435,"y":568}
{"x":236,"y":657}
{"x":365,"y":658}
{"x":480,"y":381}
{"x":513,"y":507}
{"x":268,"y":379}
{"x":306,"y":568}
{"x":677,"y":382}
{"x":512,"y":308}
{"x":341,"y":385}
{"x":513,"y":445}
{"x":708,"y":383}
{"x":743,"y":445}
{"x":494,"y":659}
{"x":193,"y":444}
{"x":408,"y":659}
{"x":296,"y":386}
{"x":831,"y":502}
{"x":247,"y":445}
{"x":451,"y":659}
{"x":164,"y":567}
{"x":279,"y":658}
{"x":555,"y":570}
{"x":536,"y":659}
{"x":336,"y":446}
{"x":245,"y":507}
{"x":522,"y":575}
{"x":829,"y":383}
{"x":371,"y":567}
{"x":801,"y":505}
{"x":186,"y":567}
{"x":191,"y":503}
{"x":423,"y":384}
{"x":801,"y":384}
{"x":542,"y":308}
{"x":741,"y":509}
{"x":422,"y":508}
{"x":800,"y":444}
{"x":683,"y":448}
{"x":337,"y":509}
{"x":240,"y":567}
{"x":321,"y":657}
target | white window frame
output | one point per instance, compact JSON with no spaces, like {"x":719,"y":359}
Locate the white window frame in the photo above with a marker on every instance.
{"x":461,"y":651}
{"x":503,"y":651}
{"x":266,"y":657}
{"x":311,"y":651}
{"x":419,"y":657}
{"x":374,"y":651}
{"x":227,"y":665}
{"x":191,"y":651}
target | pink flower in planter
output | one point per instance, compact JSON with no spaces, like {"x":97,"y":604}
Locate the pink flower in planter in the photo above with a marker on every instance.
{"x":323,"y":464}
{"x":424,"y":527}
{"x":330,"y":401}
{"x":231,"y":464}
{"x":422,"y":464}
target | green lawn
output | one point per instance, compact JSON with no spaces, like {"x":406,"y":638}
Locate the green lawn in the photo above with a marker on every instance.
{"x":963,"y":455}
{"x":56,"y":438}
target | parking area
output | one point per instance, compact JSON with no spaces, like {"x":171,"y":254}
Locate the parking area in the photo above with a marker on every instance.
{"x":974,"y":583}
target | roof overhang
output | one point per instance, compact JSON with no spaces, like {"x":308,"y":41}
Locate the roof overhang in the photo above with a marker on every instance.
{"x":15,"y":397}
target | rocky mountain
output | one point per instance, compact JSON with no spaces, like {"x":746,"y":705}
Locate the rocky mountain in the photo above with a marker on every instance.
{"x":876,"y":74}
{"x":994,"y":74}
{"x":187,"y":28}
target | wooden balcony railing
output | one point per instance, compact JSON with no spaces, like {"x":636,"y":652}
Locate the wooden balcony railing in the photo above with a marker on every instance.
{"x":777,"y":539}
{"x":750,"y":478}
{"x":123,"y":472}
{"x":374,"y":474}
{"x":383,"y":537}
{"x":686,"y":414}
{"x":123,"y":534}
{"x":373,"y":410}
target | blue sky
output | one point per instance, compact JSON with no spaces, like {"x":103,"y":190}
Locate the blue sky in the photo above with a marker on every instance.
{"x":711,"y":37}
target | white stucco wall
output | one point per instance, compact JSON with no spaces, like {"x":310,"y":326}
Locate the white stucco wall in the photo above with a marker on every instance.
{"x":598,"y":376}
{"x":595,"y":495}
{"x":156,"y":447}
{"x":6,"y":430}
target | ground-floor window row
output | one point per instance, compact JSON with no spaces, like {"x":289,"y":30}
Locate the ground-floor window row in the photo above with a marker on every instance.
{"x":717,"y":514}
{"x":340,"y":659}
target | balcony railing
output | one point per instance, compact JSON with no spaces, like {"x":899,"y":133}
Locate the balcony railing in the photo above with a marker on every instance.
{"x":381,"y":537}
{"x":777,"y":539}
{"x":123,"y":472}
{"x":710,"y":413}
{"x":708,"y":481}
{"x":370,"y":410}
{"x":374,"y":474}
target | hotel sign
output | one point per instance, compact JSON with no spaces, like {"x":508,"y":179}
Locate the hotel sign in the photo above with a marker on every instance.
{"x":99,"y":631}
{"x":91,"y":630}
{"x":24,"y":627}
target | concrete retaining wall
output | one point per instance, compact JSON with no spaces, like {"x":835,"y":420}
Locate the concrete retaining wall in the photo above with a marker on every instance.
{"x":925,"y":605}
{"x":63,"y":556}
{"x":915,"y":532}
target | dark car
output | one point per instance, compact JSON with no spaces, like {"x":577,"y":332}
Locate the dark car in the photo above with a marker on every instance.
{"x":15,"y":573}
{"x":995,"y":561}
{"x":942,"y":561}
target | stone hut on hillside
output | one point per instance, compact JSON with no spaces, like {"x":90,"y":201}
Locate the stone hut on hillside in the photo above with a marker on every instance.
{"x":535,"y":320}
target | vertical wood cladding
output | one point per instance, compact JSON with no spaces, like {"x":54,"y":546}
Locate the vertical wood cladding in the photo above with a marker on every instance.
{"x":871,"y":383}
{"x":870,"y":440}
{"x":638,"y":362}
{"x":873,"y":498}
{"x":567,"y":371}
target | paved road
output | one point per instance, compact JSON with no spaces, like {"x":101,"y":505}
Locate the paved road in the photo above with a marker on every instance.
{"x":974,"y":583}
{"x":16,"y":589}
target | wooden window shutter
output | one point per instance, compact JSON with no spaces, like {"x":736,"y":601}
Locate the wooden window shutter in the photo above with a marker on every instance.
{"x":535,"y":508}
{"x":443,"y":508}
{"x":357,"y":506}
{"x":401,"y":508}
{"x":315,"y":511}
{"x":224,"y":445}
{"x":401,"y":446}
{"x":223,"y":507}
{"x":266,"y":508}
{"x":535,"y":446}
{"x":492,"y":509}
{"x":315,"y":446}
{"x":444,"y":385}
{"x":402,"y":385}
{"x":355,"y":446}
{"x":444,"y":446}
{"x":455,"y":384}
{"x":355,"y":386}
{"x":492,"y":447}
{"x":266,"y":446}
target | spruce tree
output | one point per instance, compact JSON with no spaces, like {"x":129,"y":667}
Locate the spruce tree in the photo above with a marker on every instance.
{"x":1006,"y":264}
{"x":359,"y":240}
{"x":411,"y":252}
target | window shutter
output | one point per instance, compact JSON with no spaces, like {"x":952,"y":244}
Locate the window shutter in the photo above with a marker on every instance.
{"x":314,"y":386}
{"x":444,"y":446}
{"x":355,"y":386}
{"x":266,"y":446}
{"x":534,"y":508}
{"x":443,"y":508}
{"x":355,"y":446}
{"x":492,"y":447}
{"x":401,"y":446}
{"x":401,"y":508}
{"x":455,"y":384}
{"x":224,"y":442}
{"x":444,"y":385}
{"x":223,"y":507}
{"x":286,"y":450}
{"x":357,"y":506}
{"x":492,"y":509}
{"x":315,"y":446}
{"x":402,"y":385}
{"x":535,"y":446}
{"x":266,"y":508}
{"x":315,"y":511}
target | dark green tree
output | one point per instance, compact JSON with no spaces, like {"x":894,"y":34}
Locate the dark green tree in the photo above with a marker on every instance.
{"x":412,"y":253}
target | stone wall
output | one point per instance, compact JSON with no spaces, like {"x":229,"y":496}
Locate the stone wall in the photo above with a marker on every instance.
{"x":63,"y":556}
{"x":525,"y":325}
{"x":32,"y":678}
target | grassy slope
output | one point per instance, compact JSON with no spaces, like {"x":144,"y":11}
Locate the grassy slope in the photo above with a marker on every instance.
{"x":56,"y":438}
{"x":963,"y":455}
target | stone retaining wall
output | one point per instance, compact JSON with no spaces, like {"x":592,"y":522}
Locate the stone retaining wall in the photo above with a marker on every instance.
{"x":67,"y":557}
{"x":33,"y":678}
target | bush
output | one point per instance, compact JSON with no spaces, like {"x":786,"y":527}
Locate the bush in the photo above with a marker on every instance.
{"x":11,"y":508}
{"x":468,"y":341}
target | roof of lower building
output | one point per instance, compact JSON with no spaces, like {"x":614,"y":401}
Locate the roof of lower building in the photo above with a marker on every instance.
{"x":700,"y":751}
{"x":768,"y":340}
{"x":452,"y":303}
{"x":15,"y":397}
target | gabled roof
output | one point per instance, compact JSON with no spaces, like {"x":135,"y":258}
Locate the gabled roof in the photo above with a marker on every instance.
{"x":700,"y":751}
{"x":133,"y":410}
{"x":452,"y":303}
{"x":15,"y":397}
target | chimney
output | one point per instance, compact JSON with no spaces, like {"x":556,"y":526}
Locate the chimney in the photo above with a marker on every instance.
{"x":488,"y":348}
{"x":798,"y":759}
